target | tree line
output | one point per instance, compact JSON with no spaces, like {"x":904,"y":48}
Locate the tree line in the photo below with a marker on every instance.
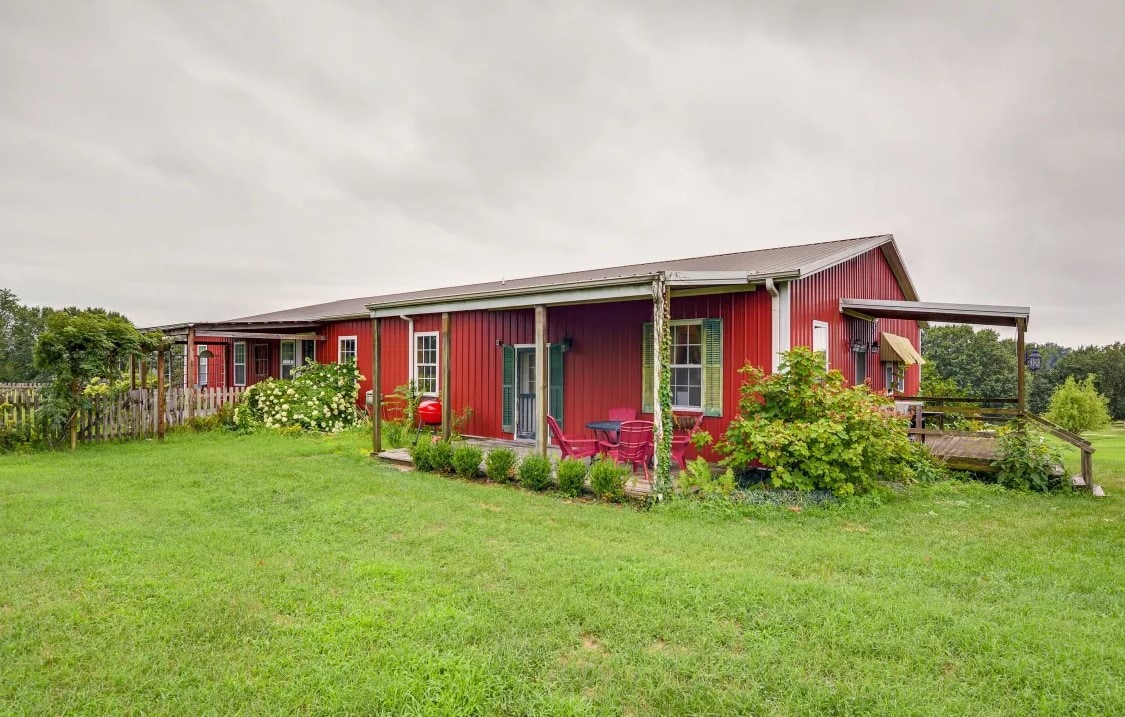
{"x":968,"y":363}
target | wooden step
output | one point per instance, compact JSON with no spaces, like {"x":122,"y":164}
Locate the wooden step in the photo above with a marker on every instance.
{"x":1078,"y":481}
{"x":1098,"y":491}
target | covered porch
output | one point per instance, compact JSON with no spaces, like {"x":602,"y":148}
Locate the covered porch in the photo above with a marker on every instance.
{"x":972,"y":450}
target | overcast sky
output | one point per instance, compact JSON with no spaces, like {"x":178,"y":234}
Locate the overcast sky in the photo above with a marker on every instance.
{"x":199,"y":161}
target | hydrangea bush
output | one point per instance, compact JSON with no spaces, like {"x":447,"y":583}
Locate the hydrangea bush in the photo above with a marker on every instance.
{"x":319,"y":397}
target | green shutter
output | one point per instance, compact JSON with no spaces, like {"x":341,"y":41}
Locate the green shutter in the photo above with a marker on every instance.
{"x":647,"y":368}
{"x":555,"y":383}
{"x":508,"y":411}
{"x":712,"y":367}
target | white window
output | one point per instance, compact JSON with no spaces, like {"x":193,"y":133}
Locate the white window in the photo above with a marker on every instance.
{"x":239,"y":363}
{"x":288,"y":358}
{"x":426,"y":362}
{"x":308,"y":351}
{"x":347,"y":351}
{"x":201,"y":362}
{"x":894,"y":376}
{"x":820,"y":339}
{"x":687,"y":365}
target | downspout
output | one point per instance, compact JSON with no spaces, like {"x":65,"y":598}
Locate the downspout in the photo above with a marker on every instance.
{"x":775,"y":323}
{"x":409,"y":347}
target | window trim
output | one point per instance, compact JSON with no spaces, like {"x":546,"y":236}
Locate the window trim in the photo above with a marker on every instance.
{"x":281,"y":358}
{"x":302,"y":357}
{"x":202,"y":367}
{"x":889,"y":383}
{"x":437,"y":360}
{"x":340,"y":348}
{"x":236,"y":364}
{"x":700,"y":365}
{"x":816,"y":324}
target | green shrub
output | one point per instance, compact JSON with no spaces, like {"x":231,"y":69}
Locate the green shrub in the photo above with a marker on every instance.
{"x":815,"y":432}
{"x":571,"y":474}
{"x":466,"y":461}
{"x":1027,"y":461}
{"x":319,"y":397}
{"x":699,"y":478}
{"x":441,"y":457}
{"x":607,"y":479}
{"x":535,"y":472}
{"x":499,"y":464}
{"x":15,"y":437}
{"x":395,"y":434}
{"x":422,"y":453}
{"x":1079,"y":407}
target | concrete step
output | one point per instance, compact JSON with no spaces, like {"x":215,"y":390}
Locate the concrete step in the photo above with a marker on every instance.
{"x":1078,"y":481}
{"x":1098,"y":491}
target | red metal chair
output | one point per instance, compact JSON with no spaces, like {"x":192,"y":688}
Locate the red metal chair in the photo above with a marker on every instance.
{"x":623,"y":414}
{"x":572,"y":447}
{"x":634,"y":445}
{"x":684,"y":425}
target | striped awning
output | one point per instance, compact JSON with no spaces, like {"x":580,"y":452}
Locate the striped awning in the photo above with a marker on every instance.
{"x":893,"y":347}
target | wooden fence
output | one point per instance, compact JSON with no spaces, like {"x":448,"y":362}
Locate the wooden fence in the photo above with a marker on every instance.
{"x":132,"y":414}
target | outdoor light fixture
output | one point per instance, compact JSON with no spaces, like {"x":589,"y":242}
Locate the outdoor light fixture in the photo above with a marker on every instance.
{"x":1034,"y":360}
{"x":567,"y":344}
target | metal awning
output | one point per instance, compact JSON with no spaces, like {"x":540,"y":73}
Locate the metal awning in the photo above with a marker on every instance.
{"x":978,"y":314}
{"x":893,"y":347}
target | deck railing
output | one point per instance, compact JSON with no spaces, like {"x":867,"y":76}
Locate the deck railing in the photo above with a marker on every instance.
{"x":978,"y":409}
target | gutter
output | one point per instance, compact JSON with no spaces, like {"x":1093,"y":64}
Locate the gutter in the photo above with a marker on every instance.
{"x":775,"y":323}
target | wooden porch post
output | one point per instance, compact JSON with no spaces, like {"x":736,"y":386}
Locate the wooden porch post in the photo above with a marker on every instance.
{"x":541,"y":379}
{"x":376,"y":394}
{"x":661,"y":417}
{"x":1021,"y":387}
{"x":446,"y":378}
{"x":189,"y":373}
{"x":161,"y":397}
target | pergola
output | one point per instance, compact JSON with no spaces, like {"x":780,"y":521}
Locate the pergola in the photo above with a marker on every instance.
{"x":976,"y":314}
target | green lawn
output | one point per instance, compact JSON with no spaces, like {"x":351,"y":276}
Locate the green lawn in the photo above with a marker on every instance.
{"x":218,"y":574}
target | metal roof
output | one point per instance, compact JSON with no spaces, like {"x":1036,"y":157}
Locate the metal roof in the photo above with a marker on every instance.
{"x":787,"y":262}
{"x":979,"y":314}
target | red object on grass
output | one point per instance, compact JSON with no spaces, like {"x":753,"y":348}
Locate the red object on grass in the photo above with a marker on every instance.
{"x":571,"y":447}
{"x":429,"y":412}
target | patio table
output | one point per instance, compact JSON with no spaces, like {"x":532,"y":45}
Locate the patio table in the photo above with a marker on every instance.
{"x":606,"y":428}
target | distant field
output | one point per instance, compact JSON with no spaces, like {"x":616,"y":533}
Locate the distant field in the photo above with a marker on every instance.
{"x":265,"y":575}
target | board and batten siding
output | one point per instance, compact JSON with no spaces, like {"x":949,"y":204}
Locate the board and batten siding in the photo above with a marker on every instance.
{"x":817,"y":298}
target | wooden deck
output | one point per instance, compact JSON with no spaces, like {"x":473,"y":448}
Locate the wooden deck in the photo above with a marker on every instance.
{"x":636,"y":487}
{"x":965,"y":452}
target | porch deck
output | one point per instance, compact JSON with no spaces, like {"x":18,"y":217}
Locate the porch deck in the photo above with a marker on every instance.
{"x":635,"y":487}
{"x":965,"y":452}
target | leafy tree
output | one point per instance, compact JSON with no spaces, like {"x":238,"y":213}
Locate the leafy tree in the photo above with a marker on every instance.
{"x":79,"y":347}
{"x":1077,"y":406}
{"x":978,"y":363}
{"x":1107,"y":364}
{"x":20,"y":327}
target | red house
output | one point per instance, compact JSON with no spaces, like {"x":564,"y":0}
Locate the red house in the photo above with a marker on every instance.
{"x":596,"y":342}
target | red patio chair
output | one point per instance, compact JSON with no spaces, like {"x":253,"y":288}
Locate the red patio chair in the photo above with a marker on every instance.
{"x":685,"y":425}
{"x":572,"y":447}
{"x":623,"y":414}
{"x":634,"y":445}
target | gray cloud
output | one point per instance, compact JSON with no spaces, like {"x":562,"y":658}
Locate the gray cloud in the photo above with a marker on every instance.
{"x":197,"y":160}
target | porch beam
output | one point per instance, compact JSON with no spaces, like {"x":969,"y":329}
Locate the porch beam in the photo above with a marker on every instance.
{"x":189,"y":374}
{"x":1021,"y":371}
{"x":446,"y":378}
{"x":541,"y":380}
{"x":257,"y":335}
{"x":638,"y":290}
{"x":661,"y":419}
{"x":376,"y":394}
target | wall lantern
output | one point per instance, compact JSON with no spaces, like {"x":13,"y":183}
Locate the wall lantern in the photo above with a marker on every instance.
{"x":1034,"y":360}
{"x":567,"y":344}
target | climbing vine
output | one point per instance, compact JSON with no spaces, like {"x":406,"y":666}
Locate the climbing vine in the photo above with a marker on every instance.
{"x":663,"y":482}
